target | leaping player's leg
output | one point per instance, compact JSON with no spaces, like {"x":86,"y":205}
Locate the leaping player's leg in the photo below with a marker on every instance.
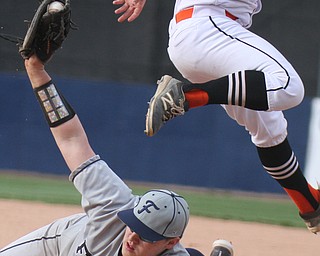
{"x":235,"y":67}
{"x":226,"y":64}
{"x":268,"y":132}
{"x":232,"y":66}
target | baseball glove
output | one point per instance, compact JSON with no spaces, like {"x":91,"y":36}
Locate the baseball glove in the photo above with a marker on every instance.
{"x":47,"y":30}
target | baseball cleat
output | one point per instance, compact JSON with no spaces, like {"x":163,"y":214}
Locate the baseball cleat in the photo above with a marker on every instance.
{"x":312,"y":220}
{"x":167,"y":103}
{"x":222,"y":248}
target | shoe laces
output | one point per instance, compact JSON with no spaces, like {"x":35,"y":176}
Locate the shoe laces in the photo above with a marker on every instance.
{"x":171,"y":109}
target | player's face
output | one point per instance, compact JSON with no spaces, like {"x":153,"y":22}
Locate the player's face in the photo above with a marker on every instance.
{"x":133,"y":245}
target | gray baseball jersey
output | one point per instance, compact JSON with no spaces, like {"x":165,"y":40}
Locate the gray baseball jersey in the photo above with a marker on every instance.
{"x":98,"y":231}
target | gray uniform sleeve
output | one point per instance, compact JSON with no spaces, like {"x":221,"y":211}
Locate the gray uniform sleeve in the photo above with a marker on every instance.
{"x":177,"y":250}
{"x":103,"y":195}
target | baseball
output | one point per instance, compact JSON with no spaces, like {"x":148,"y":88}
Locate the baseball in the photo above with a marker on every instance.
{"x":55,"y":6}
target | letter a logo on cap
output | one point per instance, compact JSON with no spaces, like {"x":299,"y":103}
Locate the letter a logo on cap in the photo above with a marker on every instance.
{"x":147,"y":205}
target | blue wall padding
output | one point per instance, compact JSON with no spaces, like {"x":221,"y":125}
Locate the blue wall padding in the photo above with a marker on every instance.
{"x":204,"y":148}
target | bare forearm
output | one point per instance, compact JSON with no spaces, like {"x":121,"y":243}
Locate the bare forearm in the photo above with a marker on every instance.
{"x":70,"y":135}
{"x":72,"y":142}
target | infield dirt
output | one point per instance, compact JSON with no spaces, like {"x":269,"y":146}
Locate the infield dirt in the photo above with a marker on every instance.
{"x":249,"y":239}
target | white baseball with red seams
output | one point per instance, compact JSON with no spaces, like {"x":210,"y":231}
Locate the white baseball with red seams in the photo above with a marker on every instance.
{"x":55,"y":6}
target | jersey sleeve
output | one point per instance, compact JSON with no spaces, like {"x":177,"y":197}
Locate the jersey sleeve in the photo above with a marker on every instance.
{"x":103,"y":195}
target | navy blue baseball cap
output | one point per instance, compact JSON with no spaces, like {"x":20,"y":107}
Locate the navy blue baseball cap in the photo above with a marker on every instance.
{"x":158,"y":215}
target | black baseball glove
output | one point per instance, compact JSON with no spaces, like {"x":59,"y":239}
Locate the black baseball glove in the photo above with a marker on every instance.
{"x":47,"y":30}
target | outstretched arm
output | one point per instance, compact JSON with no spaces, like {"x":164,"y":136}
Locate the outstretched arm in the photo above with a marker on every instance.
{"x":129,"y":9}
{"x":70,"y":135}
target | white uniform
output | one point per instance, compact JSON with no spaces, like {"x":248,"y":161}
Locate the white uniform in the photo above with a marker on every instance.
{"x":98,"y":231}
{"x":210,"y":45}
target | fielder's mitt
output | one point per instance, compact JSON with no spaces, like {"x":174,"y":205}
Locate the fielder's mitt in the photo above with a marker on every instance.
{"x":47,"y":30}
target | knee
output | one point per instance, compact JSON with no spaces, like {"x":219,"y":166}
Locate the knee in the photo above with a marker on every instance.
{"x":287,"y":93}
{"x":295,"y":91}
